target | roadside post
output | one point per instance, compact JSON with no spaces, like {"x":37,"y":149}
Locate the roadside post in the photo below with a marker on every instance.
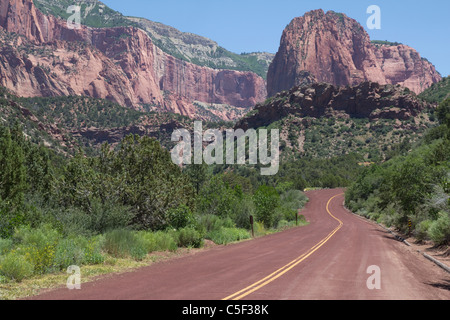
{"x":251,"y":223}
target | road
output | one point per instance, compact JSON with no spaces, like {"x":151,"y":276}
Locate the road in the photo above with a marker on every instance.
{"x":329,"y":259}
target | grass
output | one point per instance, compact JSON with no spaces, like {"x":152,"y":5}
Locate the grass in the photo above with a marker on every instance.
{"x":121,"y":251}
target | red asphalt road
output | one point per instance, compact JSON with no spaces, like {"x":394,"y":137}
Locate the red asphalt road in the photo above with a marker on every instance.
{"x":328,"y":259}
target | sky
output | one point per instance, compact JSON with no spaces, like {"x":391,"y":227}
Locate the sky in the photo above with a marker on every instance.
{"x":256,"y":25}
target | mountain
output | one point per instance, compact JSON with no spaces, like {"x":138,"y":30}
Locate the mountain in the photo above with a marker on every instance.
{"x":65,"y":124}
{"x":41,"y":56}
{"x":324,"y":120}
{"x":202,"y":51}
{"x":333,"y":48}
{"x":182,"y":45}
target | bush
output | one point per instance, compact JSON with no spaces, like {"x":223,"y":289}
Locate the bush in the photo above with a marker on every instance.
{"x":123,"y":243}
{"x":181,"y":217}
{"x":421,"y":231}
{"x":439,"y":231}
{"x":225,"y":235}
{"x":69,"y":252}
{"x":5,"y":246}
{"x":189,"y":237}
{"x":38,"y":246}
{"x":15,"y":267}
{"x":164,"y":241}
{"x":266,"y":199}
{"x":102,"y":218}
{"x":212,"y":222}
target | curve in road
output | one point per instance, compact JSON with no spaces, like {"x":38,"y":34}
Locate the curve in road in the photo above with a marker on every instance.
{"x":334,"y":257}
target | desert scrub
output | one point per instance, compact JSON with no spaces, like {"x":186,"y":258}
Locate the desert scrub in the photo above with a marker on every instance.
{"x":189,"y":237}
{"x":78,"y":251}
{"x":157,"y":241}
{"x":38,"y":246}
{"x":123,"y":243}
{"x":439,"y":230}
{"x":225,"y":235}
{"x":15,"y":267}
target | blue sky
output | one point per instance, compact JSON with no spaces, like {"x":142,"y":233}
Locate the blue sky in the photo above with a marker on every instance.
{"x":257,"y":25}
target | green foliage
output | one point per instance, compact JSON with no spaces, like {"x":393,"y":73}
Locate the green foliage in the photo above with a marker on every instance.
{"x":443,"y":113}
{"x":266,"y":200}
{"x":439,"y":230}
{"x":14,"y":267}
{"x":181,"y":217}
{"x":189,"y":237}
{"x":410,"y":186}
{"x":123,"y":243}
{"x":39,"y":246}
{"x":217,"y":198}
{"x":225,"y":235}
{"x":438,"y":92}
{"x":12,"y":167}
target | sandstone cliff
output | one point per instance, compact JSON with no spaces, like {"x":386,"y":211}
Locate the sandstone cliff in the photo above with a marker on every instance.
{"x":119,"y":64}
{"x":336,"y":49}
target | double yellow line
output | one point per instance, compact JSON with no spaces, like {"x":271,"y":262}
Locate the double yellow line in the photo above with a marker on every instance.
{"x":275,"y":275}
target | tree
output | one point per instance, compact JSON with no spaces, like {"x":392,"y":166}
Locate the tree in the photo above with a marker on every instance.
{"x":197,"y":173}
{"x":12,"y":169}
{"x":12,"y":183}
{"x":266,"y":199}
{"x":443,"y":112}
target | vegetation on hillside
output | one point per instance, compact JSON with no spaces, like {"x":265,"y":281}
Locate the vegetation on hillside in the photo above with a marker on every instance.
{"x":437,"y":92}
{"x":122,"y":202}
{"x":411,"y":187}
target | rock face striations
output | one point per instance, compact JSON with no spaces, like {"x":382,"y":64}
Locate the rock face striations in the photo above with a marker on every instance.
{"x":336,"y":49}
{"x":41,"y":56}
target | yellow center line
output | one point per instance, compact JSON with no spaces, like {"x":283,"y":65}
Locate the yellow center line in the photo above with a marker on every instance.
{"x":278,"y":273}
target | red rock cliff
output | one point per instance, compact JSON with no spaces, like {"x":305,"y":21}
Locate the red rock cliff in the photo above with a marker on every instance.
{"x":336,"y":49}
{"x":120,"y":64}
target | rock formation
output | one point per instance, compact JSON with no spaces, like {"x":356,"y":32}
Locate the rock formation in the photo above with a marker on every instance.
{"x":41,"y":56}
{"x":336,"y":49}
{"x":366,"y":100}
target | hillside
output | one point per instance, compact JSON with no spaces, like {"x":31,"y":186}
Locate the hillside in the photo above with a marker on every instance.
{"x":438,"y":92}
{"x":322,"y":120}
{"x":66,"y":124}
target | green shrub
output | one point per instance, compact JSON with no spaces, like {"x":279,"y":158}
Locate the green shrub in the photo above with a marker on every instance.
{"x":69,"y":252}
{"x":93,"y":250}
{"x":225,"y":235}
{"x":212,"y":222}
{"x":189,"y":237}
{"x":38,"y":246}
{"x":123,"y":243}
{"x":148,"y":240}
{"x":439,"y":231}
{"x":421,"y":231}
{"x":266,"y":199}
{"x":5,"y":246}
{"x":15,"y":267}
{"x":165,"y":241}
{"x":181,"y":217}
